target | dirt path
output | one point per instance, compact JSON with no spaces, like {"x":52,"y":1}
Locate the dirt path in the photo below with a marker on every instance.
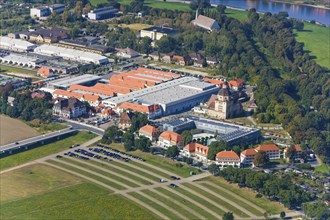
{"x":225,"y":199}
{"x":237,"y":197}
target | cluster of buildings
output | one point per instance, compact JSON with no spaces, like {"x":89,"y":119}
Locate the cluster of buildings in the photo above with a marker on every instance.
{"x":45,"y":11}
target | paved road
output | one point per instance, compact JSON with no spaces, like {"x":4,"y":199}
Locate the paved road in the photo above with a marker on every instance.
{"x":81,"y":126}
{"x":32,"y":140}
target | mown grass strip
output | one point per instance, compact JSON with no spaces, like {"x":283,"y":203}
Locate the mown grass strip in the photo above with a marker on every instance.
{"x":201,"y":201}
{"x":157,"y":172}
{"x":154,"y":205}
{"x":120,"y":172}
{"x":237,"y":201}
{"x":170,"y":204}
{"x":217,"y":200}
{"x":112,"y":184}
{"x":91,"y":168}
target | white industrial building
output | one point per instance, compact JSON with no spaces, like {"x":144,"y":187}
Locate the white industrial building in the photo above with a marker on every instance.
{"x":45,"y":11}
{"x":102,"y":13}
{"x":22,"y":60}
{"x":173,"y":96}
{"x":8,"y":43}
{"x":71,"y":54}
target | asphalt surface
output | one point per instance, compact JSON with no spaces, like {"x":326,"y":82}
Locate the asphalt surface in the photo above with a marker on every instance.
{"x":81,"y":126}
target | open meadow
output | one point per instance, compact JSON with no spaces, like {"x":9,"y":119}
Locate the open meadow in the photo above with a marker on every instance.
{"x":12,"y":130}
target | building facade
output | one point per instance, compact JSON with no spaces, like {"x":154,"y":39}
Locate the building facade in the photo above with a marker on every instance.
{"x":272,"y":151}
{"x":196,"y":151}
{"x":155,"y":33}
{"x":69,"y":108}
{"x":102,"y":13}
{"x":227,"y":158}
{"x":149,"y":131}
{"x":169,"y":138}
{"x":247,"y":156}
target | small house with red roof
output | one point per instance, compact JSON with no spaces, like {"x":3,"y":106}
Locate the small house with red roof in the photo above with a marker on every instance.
{"x":236,"y":84}
{"x":45,"y":72}
{"x":197,"y":151}
{"x":149,"y":131}
{"x":125,"y":120}
{"x":272,"y":151}
{"x":298,"y":154}
{"x":170,"y":138}
{"x":247,"y":156}
{"x":227,"y":158}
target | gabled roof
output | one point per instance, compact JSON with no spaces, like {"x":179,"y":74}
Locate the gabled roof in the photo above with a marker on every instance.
{"x":214,"y":81}
{"x":267,"y":147}
{"x":236,"y":82}
{"x":196,"y":148}
{"x":297,"y":147}
{"x":138,"y":107}
{"x":45,"y":71}
{"x":249,"y":151}
{"x":148,"y":129}
{"x":129,"y":51}
{"x":206,"y":22}
{"x":126,"y":118}
{"x":227,"y":155}
{"x":171,"y":136}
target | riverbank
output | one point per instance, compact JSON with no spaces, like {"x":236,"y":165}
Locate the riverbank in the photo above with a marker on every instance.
{"x":302,"y":3}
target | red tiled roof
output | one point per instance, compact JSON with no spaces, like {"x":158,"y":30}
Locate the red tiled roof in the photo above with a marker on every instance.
{"x":138,"y":107}
{"x":45,"y":71}
{"x":227,"y":154}
{"x":171,"y":136}
{"x":236,"y":82}
{"x":249,"y":152}
{"x":148,"y":129}
{"x":92,"y":90}
{"x":68,"y":94}
{"x":214,"y":81}
{"x":196,"y":147}
{"x":267,"y":147}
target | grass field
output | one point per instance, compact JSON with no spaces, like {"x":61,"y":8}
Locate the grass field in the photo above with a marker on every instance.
{"x":160,"y":161}
{"x":316,"y":39}
{"x":32,"y":180}
{"x":135,"y":26}
{"x":12,"y":69}
{"x":96,"y":2}
{"x":273,"y":207}
{"x":45,"y":150}
{"x":161,"y":4}
{"x":12,"y":130}
{"x":323,"y":168}
{"x":46,"y":127}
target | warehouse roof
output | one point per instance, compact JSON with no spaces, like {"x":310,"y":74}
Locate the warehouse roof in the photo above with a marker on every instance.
{"x":7,"y":41}
{"x":68,"y":81}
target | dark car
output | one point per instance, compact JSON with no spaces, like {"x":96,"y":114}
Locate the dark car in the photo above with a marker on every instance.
{"x":173,"y":185}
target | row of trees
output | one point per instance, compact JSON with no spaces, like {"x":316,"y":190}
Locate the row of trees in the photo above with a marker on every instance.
{"x":272,"y":186}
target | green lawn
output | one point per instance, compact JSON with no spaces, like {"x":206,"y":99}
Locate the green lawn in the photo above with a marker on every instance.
{"x":161,"y":4}
{"x":154,"y":205}
{"x":87,"y":174}
{"x":44,"y":128}
{"x":316,"y":39}
{"x":216,"y":199}
{"x":45,"y":150}
{"x":82,"y":201}
{"x":323,"y":168}
{"x":104,"y":173}
{"x":238,"y":14}
{"x":12,"y":69}
{"x":273,"y":207}
{"x":182,"y":200}
{"x":31,"y":180}
{"x":169,"y":203}
{"x":96,"y":2}
{"x":162,"y":162}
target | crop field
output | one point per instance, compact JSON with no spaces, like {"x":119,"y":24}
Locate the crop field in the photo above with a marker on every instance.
{"x":135,"y":26}
{"x":12,"y":130}
{"x":116,"y":176}
{"x":42,"y":151}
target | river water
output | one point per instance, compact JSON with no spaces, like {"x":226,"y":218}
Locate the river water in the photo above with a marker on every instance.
{"x":302,"y":12}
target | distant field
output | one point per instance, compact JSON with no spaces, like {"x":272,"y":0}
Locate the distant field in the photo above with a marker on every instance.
{"x":12,"y":130}
{"x":45,"y":150}
{"x":323,"y":168}
{"x":136,"y":26}
{"x":316,"y":39}
{"x":96,"y":2}
{"x":161,"y":4}
{"x":16,"y":70}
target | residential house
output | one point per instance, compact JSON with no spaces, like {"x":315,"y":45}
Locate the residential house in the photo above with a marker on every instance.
{"x":167,"y":58}
{"x":69,"y":108}
{"x":93,"y":100}
{"x":45,"y":35}
{"x":128,"y":53}
{"x":206,"y":23}
{"x":181,"y":60}
{"x":298,"y":153}
{"x":149,"y":131}
{"x":247,"y":156}
{"x":199,"y":60}
{"x":272,"y":151}
{"x":227,"y":158}
{"x":236,"y":84}
{"x":196,"y":151}
{"x":45,"y":72}
{"x":156,"y":56}
{"x":170,"y":138}
{"x":211,"y":61}
{"x":152,"y":111}
{"x":125,"y":120}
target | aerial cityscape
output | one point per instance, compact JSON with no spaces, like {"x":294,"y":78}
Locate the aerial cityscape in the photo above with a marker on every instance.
{"x":165,"y":109}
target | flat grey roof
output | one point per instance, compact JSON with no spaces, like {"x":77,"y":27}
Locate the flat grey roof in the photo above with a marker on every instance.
{"x":166,"y":92}
{"x":68,"y":81}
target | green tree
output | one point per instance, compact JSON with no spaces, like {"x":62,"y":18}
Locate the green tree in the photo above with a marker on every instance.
{"x":291,"y":152}
{"x":214,"y":148}
{"x":138,"y":120}
{"x":166,"y":44}
{"x":110,"y":135}
{"x":172,"y":151}
{"x":214,"y":169}
{"x":260,"y":159}
{"x":221,"y":9}
{"x":128,"y":139}
{"x":187,"y":137}
{"x":282,"y":215}
{"x":142,"y":143}
{"x":228,"y":216}
{"x":144,"y":45}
